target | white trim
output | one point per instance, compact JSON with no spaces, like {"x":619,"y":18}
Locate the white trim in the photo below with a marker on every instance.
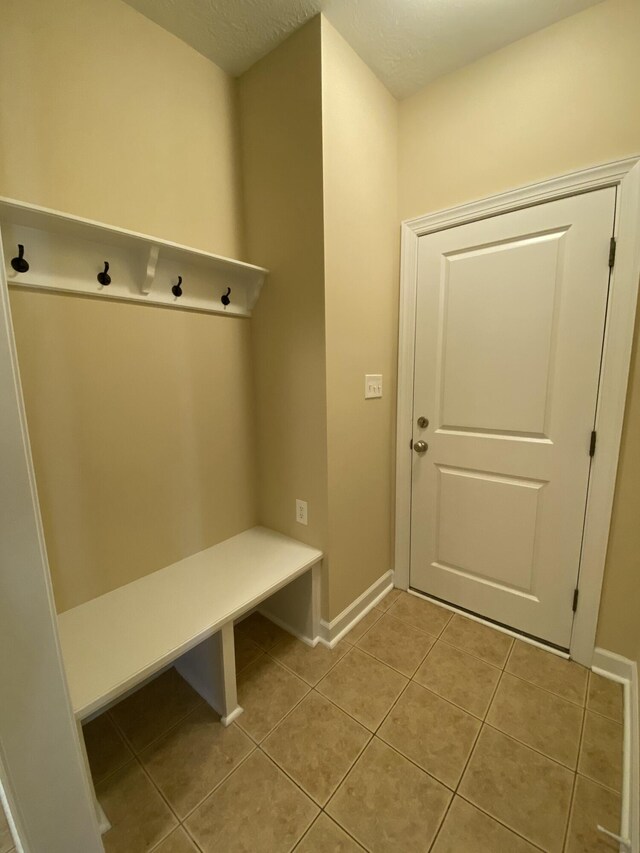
{"x":332,"y":632}
{"x":501,"y":628}
{"x":229,"y":718}
{"x":625,"y":671}
{"x":66,"y":252}
{"x":13,"y":829}
{"x":625,"y":174}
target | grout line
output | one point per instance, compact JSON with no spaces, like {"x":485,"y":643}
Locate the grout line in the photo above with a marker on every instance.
{"x":600,"y":784}
{"x":565,"y":837}
{"x":493,"y":696}
{"x":191,"y":838}
{"x":441,"y":824}
{"x":345,"y":830}
{"x":415,"y":764}
{"x":280,"y":721}
{"x":472,"y":654}
{"x":532,"y":748}
{"x":501,"y":822}
{"x":218,"y":784}
{"x":297,"y":674}
{"x":575,"y":779}
{"x":307,"y":831}
{"x":544,"y":689}
{"x":149,"y":777}
{"x":304,"y":791}
{"x":395,"y":669}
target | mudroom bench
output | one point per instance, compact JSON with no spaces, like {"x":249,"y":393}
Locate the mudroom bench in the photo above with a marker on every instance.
{"x":184,"y":615}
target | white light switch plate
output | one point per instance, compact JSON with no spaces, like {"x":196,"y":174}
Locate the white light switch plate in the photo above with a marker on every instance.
{"x":372,"y":385}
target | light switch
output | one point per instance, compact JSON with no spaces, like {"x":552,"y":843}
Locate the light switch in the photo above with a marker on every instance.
{"x":372,"y":385}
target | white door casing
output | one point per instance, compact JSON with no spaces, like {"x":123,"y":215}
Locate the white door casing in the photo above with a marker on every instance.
{"x":509,"y":324}
{"x":625,"y":175}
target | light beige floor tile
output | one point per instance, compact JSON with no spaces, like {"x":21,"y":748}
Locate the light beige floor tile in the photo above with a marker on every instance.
{"x":256,"y":809}
{"x":551,"y":672}
{"x":246,"y":650}
{"x":267,"y":691}
{"x":388,"y":804}
{"x":316,"y":745}
{"x":6,"y":841}
{"x":468,"y":830}
{"x":459,"y":677}
{"x":106,"y":750}
{"x":152,"y":710}
{"x":261,"y":631}
{"x":325,"y":836}
{"x":420,"y":613}
{"x":363,"y":687}
{"x":538,"y":718}
{"x":193,"y":757}
{"x":522,"y":789}
{"x":177,"y":842}
{"x":605,"y":697}
{"x":363,"y":625}
{"x":593,"y":805}
{"x":431,"y":732}
{"x":396,"y":644}
{"x":389,"y":599}
{"x":309,"y":664}
{"x":486,"y":643}
{"x":601,"y":751}
{"x":139,"y":816}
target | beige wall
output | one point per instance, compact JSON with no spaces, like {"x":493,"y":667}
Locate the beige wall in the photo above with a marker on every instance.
{"x":141,"y":419}
{"x":280,"y":110}
{"x":361,"y":230}
{"x":103,"y":114}
{"x":562,"y":99}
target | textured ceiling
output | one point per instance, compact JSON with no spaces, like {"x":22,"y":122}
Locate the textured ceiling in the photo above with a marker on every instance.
{"x":407,"y":43}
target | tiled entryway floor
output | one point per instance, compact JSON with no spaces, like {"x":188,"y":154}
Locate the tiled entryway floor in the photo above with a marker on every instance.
{"x":423,"y":730}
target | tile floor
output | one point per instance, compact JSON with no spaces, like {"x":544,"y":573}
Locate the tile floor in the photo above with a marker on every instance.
{"x":420,"y":731}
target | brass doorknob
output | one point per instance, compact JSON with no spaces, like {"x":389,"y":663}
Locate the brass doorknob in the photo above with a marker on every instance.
{"x":420,"y":446}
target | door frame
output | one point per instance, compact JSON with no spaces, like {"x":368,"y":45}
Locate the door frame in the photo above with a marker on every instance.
{"x":616,"y":357}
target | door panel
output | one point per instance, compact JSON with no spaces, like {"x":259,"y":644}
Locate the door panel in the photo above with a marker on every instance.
{"x":510,"y":318}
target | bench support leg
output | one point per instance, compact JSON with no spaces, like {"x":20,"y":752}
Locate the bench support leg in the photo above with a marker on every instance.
{"x":210,"y":668}
{"x":104,"y":824}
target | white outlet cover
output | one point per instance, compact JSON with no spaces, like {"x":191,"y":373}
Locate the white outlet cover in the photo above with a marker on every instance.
{"x":301,"y":512}
{"x":372,"y":385}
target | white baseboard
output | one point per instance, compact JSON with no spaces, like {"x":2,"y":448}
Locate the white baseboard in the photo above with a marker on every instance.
{"x":625,"y":671}
{"x":332,"y":632}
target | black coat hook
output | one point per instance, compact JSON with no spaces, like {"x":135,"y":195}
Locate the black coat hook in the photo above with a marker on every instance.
{"x":225,"y":297}
{"x":177,"y":289}
{"x":103,"y":277}
{"x":19,"y":264}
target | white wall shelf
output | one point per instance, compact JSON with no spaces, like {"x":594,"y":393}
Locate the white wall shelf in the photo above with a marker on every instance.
{"x":66,"y":253}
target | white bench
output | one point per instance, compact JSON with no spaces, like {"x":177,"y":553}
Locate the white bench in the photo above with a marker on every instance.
{"x":184,"y":614}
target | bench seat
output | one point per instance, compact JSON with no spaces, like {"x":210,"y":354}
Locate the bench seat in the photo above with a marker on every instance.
{"x":113,"y":642}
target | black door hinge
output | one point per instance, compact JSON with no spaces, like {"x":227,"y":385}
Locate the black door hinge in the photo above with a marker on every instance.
{"x":575,"y":600}
{"x":612,"y":252}
{"x":592,"y":443}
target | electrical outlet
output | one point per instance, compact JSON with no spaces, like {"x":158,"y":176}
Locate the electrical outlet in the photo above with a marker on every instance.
{"x":372,"y":385}
{"x":301,"y":512}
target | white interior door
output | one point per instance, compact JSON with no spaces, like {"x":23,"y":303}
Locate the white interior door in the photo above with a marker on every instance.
{"x":509,"y":325}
